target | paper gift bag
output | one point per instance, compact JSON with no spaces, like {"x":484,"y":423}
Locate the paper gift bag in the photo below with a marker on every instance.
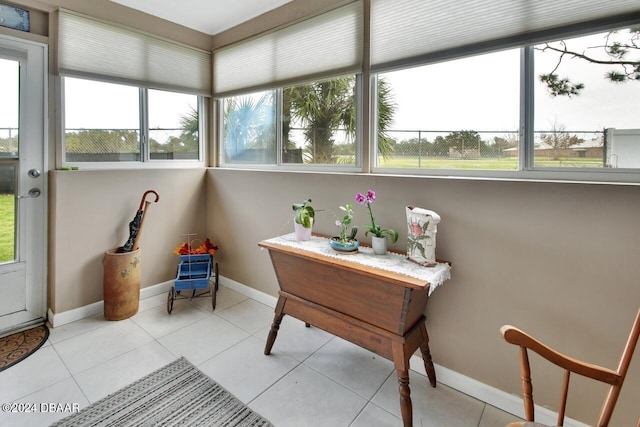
{"x":421,"y":233}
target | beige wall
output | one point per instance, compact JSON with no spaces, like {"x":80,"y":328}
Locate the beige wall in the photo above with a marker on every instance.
{"x":89,"y":213}
{"x":558,"y":260}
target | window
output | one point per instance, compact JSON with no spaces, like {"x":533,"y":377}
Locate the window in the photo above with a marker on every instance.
{"x":476,"y":72}
{"x":460,"y":114}
{"x":290,"y":97}
{"x":102,"y":122}
{"x":105,"y":122}
{"x":129,"y":97}
{"x":174,"y":126}
{"x":549,"y":107}
{"x":317,"y":125}
{"x":585,"y":117}
{"x":249,"y":129}
{"x":9,"y":161}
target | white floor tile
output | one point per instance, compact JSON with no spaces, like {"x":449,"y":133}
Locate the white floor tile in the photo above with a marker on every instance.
{"x":159,"y":300}
{"x":78,"y":327}
{"x":112,"y":375}
{"x":249,"y":315}
{"x":307,"y":398}
{"x":47,"y":405}
{"x":435,"y":407}
{"x":494,"y":417}
{"x":245,"y":371}
{"x":158,"y":322}
{"x":372,"y":415}
{"x":310,"y":379}
{"x":225,"y":298}
{"x":295,"y":339}
{"x":42,"y":369}
{"x":203,"y":339}
{"x":354,"y":367}
{"x":91,"y":348}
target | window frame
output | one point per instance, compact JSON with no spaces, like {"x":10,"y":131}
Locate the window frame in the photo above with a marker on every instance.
{"x":303,"y":167}
{"x":145,"y":161}
{"x":526,"y":168}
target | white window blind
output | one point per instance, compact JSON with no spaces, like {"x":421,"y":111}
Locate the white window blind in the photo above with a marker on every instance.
{"x":88,"y":47}
{"x":327,"y":44}
{"x":405,"y":30}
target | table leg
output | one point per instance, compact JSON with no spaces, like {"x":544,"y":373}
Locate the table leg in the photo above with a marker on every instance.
{"x":273,"y":333}
{"x":401,"y":363}
{"x":426,"y":356}
{"x":406,"y":408}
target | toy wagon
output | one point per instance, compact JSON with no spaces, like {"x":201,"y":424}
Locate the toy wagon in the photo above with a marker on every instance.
{"x":194,"y":273}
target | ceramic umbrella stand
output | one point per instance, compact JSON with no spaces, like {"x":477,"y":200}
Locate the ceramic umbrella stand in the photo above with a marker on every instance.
{"x":121,"y":284}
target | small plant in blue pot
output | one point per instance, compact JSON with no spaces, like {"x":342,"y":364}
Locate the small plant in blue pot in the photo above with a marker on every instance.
{"x":346,"y":241}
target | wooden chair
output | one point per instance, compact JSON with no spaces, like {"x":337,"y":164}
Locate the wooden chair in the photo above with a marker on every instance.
{"x":614,"y":378}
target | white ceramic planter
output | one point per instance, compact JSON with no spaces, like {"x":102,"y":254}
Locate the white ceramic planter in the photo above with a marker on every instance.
{"x":379,"y":245}
{"x":301,"y":232}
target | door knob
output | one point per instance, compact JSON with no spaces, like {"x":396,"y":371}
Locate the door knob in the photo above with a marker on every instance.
{"x":33,"y":173}
{"x":34,"y":192}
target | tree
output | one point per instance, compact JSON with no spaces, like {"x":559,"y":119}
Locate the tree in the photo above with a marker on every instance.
{"x":505,"y":142}
{"x":322,"y":107}
{"x":621,"y":51}
{"x":386,"y":110}
{"x":467,"y":142}
{"x":248,"y":123}
{"x":190,"y":128}
{"x":559,"y":139}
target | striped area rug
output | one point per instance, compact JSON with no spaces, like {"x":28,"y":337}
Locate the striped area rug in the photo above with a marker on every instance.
{"x":175,"y":395}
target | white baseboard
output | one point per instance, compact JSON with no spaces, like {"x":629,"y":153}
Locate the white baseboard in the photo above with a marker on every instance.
{"x":64,"y":317}
{"x":245,"y":290}
{"x":497,"y":398}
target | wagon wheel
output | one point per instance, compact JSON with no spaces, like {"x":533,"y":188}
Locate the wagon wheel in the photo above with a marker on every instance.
{"x":215,"y":286}
{"x":170,"y":299}
{"x":215,"y":274}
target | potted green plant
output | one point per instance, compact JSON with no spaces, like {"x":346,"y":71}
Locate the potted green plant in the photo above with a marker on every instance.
{"x":346,"y":241}
{"x":303,"y":219}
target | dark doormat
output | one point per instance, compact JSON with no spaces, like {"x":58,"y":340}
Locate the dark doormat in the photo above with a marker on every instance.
{"x":19,"y":346}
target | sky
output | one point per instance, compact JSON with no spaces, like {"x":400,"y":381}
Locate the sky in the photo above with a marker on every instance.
{"x":482,"y":93}
{"x":479,"y":93}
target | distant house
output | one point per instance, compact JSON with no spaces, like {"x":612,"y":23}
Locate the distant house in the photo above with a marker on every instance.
{"x":593,"y":148}
{"x":623,"y":148}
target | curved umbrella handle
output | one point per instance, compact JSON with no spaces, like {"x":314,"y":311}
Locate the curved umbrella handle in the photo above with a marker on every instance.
{"x":144,"y":214}
{"x":144,"y":197}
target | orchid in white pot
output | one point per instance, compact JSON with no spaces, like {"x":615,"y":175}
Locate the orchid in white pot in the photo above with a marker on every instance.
{"x":379,"y":234}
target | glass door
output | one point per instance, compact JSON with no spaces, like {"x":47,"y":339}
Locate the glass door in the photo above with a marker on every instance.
{"x":22,"y":184}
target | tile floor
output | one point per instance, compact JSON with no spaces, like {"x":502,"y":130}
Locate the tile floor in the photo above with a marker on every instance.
{"x":310,"y":379}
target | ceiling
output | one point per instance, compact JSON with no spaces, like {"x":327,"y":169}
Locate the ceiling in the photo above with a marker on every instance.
{"x":207,"y":16}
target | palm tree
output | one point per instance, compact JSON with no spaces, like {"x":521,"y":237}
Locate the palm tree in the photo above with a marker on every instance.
{"x":321,"y":108}
{"x":386,"y":111}
{"x":326,"y":106}
{"x":248,"y":123}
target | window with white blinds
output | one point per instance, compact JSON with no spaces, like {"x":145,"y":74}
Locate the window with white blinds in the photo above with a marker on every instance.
{"x":326,"y":45}
{"x":91,"y":48}
{"x":403,"y":31}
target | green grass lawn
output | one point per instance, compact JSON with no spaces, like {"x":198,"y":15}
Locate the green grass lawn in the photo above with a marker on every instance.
{"x":7,"y":227}
{"x":504,"y":163}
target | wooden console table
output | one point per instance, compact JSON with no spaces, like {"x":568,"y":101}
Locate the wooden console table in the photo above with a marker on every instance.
{"x":378,"y":309}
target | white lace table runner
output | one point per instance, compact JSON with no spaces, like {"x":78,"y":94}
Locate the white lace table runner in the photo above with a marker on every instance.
{"x":393,"y":262}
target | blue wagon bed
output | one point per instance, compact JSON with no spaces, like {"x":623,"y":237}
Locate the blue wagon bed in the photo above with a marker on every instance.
{"x":194,"y":274}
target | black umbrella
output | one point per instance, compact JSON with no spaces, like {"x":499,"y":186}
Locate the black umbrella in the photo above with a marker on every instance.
{"x":136,"y":224}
